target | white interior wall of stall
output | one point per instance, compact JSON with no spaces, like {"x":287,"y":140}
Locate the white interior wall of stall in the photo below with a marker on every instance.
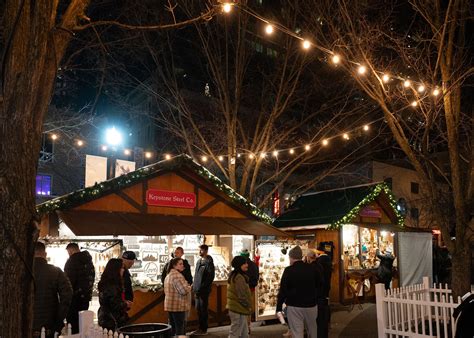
{"x":415,"y":257}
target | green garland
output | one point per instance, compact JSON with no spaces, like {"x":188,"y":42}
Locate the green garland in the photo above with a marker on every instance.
{"x":368,"y":199}
{"x":99,"y":189}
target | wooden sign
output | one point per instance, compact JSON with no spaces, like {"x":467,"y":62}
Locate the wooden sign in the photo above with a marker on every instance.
{"x":174,"y":199}
{"x":370,"y":211}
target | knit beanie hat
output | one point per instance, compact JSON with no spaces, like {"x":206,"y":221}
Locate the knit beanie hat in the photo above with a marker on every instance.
{"x":238,"y":261}
{"x":296,"y":253}
{"x":245,"y":253}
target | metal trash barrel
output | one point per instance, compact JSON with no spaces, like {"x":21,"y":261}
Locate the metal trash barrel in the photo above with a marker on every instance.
{"x":148,"y":330}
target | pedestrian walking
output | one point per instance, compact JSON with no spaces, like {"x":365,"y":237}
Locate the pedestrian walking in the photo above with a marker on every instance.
{"x":203,"y":278}
{"x":128,"y":258}
{"x":113,"y":308}
{"x":53,"y":294}
{"x":298,"y":290}
{"x":178,"y":253}
{"x":81,"y":273}
{"x":239,"y":298}
{"x":177,"y":301}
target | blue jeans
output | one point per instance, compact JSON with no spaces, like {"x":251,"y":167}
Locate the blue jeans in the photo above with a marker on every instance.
{"x":178,"y":323}
{"x":202,"y":304}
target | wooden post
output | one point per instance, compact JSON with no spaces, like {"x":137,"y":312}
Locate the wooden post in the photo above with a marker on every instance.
{"x":379,"y":299}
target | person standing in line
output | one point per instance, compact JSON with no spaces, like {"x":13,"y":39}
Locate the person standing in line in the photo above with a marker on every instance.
{"x":384,"y":272}
{"x":253,"y":275}
{"x":128,"y":258}
{"x":324,"y":310}
{"x":112,"y":312}
{"x":81,"y":273}
{"x":203,"y":278}
{"x":178,"y":253}
{"x":177,"y":301}
{"x":298,"y":290}
{"x":53,"y":295}
{"x":239,"y":298}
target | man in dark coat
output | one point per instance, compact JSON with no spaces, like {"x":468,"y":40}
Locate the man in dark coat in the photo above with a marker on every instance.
{"x":384,"y":272}
{"x":53,"y":294}
{"x":178,"y":253}
{"x":128,"y":258}
{"x":324,"y":311}
{"x":81,"y":273}
{"x":203,"y":278}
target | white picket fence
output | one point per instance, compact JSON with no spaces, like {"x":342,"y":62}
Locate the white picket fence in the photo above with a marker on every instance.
{"x":87,"y":329}
{"x":415,"y":311}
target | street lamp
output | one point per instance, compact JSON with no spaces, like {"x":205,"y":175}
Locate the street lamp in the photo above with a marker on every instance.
{"x":113,"y":138}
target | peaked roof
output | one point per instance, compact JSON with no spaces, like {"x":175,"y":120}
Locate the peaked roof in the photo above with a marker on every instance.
{"x":181,"y":162}
{"x":335,"y":207}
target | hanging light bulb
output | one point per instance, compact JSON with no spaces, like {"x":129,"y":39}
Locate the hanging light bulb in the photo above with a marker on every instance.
{"x":292,"y":151}
{"x":263,"y":155}
{"x":204,"y":158}
{"x":307,"y":147}
{"x":325,"y":142}
{"x":366,"y":127}
{"x":221,"y":158}
{"x":385,"y":78}
{"x":269,"y":29}
{"x":54,"y":137}
{"x":148,"y":154}
{"x":227,"y":7}
{"x":80,"y":143}
{"x":167,"y":157}
{"x":275,"y":153}
{"x":436,"y":92}
{"x":361,"y":70}
{"x":407,"y":83}
{"x":104,"y":148}
{"x":345,"y":136}
{"x":336,"y":59}
{"x":421,"y":88}
{"x":414,"y":104}
{"x":306,"y":44}
{"x":126,"y":152}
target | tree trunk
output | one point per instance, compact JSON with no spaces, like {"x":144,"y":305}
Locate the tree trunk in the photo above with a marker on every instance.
{"x":461,"y":269}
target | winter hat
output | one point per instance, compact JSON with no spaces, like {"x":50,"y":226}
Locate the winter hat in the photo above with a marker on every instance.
{"x":238,"y":261}
{"x":245,"y":253}
{"x":296,"y":253}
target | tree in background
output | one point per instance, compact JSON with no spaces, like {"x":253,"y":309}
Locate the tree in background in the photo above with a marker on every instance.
{"x":428,"y":44}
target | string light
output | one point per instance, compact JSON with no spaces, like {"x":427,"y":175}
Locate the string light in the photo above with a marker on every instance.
{"x":104,"y":148}
{"x":436,"y":92}
{"x":127,"y":152}
{"x":263,"y":155}
{"x":325,"y":142}
{"x":366,"y":127}
{"x":292,"y":151}
{"x":251,"y":156}
{"x":54,"y":137}
{"x":269,"y":29}
{"x":148,"y":154}
{"x":345,"y":136}
{"x":227,"y":7}
{"x":421,"y":88}
{"x":336,"y":59}
{"x":275,"y":153}
{"x":406,"y":83}
{"x":221,"y":158}
{"x":204,"y":158}
{"x":306,"y":44}
{"x":80,"y":143}
{"x":238,"y":155}
{"x":361,"y":70}
{"x":307,"y":147}
{"x":167,"y":157}
{"x":385,"y":78}
{"x":414,"y":104}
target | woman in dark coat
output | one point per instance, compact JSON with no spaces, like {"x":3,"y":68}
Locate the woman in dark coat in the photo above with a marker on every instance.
{"x":113,"y":308}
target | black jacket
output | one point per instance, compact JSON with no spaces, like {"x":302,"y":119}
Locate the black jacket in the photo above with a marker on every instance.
{"x":299,"y":286}
{"x":81,"y":273}
{"x":53,"y":294}
{"x":252,"y":273}
{"x":127,"y":285}
{"x":384,"y":272}
{"x":325,"y":262}
{"x":186,"y":272}
{"x":204,"y":275}
{"x":113,"y":309}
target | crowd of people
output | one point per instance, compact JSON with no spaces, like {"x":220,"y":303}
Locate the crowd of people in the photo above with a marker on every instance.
{"x":303,"y":295}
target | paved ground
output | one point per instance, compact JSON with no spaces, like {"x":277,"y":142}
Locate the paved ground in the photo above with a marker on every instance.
{"x":358,"y":322}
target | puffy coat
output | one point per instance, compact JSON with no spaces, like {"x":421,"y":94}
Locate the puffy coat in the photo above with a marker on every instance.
{"x":53,"y":294}
{"x":81,"y":273}
{"x":252,"y":273}
{"x":204,"y":275}
{"x":239,"y":298}
{"x":113,"y":309}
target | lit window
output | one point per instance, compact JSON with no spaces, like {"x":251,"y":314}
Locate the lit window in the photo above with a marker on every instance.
{"x":43,"y":185}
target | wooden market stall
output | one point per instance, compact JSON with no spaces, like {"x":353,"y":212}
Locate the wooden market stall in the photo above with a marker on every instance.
{"x":173,"y":197}
{"x":352,"y":223}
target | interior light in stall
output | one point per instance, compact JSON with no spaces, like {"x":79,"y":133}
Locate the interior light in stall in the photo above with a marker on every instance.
{"x":383,"y":233}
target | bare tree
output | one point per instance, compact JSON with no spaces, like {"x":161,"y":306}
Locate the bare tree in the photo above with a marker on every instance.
{"x":35,"y":36}
{"x":427,"y":43}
